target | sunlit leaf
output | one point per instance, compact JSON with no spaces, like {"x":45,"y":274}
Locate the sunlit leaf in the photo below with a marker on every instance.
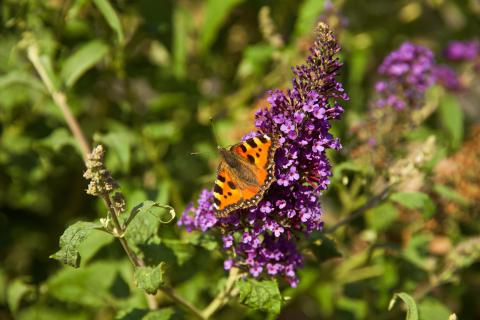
{"x":307,"y":16}
{"x":181,"y":26}
{"x":451,"y":116}
{"x":412,"y":311}
{"x":415,"y":200}
{"x":145,"y":314}
{"x":216,"y":12}
{"x":357,"y":307}
{"x":382,"y":216}
{"x":260,"y":295}
{"x":58,"y":139}
{"x":430,"y":308}
{"x":42,"y":311}
{"x":15,"y":293}
{"x":150,"y":279}
{"x":95,"y":241}
{"x":87,"y":286}
{"x":84,"y":58}
{"x":254,"y":60}
{"x":71,"y":239}
{"x":111,"y":17}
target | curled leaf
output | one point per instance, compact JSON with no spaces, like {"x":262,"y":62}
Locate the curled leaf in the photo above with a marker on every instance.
{"x":412,"y":310}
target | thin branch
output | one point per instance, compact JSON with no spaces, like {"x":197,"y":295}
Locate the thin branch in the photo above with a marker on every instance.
{"x":360,"y":211}
{"x":178,"y":299}
{"x":60,"y":100}
{"x":223,"y":296}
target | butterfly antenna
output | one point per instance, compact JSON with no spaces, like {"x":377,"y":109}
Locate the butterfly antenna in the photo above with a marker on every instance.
{"x":214,"y":132}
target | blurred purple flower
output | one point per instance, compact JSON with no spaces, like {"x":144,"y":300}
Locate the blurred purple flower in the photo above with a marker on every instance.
{"x":447,"y":77}
{"x":263,"y":239}
{"x":462,"y":50}
{"x":406,"y":74}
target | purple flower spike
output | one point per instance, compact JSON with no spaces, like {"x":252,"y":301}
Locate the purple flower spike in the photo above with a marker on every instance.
{"x":262,"y":239}
{"x":407,"y":73}
{"x":462,"y":50}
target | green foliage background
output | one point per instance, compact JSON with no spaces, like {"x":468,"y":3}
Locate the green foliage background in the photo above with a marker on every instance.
{"x":143,"y":78}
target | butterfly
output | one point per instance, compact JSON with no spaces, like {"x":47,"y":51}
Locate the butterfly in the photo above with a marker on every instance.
{"x":246,"y":171}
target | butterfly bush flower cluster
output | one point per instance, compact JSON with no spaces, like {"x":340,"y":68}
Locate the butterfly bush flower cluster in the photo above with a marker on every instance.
{"x":263,"y":239}
{"x":407,"y":73}
{"x":462,"y":50}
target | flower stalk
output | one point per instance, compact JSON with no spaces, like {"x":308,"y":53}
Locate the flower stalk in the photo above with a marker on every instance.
{"x":103,"y":183}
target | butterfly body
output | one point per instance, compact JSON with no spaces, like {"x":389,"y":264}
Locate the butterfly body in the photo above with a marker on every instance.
{"x":244,"y":174}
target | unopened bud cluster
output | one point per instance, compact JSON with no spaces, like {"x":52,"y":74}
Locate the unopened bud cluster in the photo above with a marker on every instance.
{"x":101,"y":181}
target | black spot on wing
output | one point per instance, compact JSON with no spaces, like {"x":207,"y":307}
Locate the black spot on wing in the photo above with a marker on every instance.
{"x":231,"y":185}
{"x":218,"y":189}
{"x":258,"y":156}
{"x":229,"y":193}
{"x":251,"y":142}
{"x":216,"y":201}
{"x":221,"y":178}
{"x":251,"y":159}
{"x":244,"y":149}
{"x":263,"y":139}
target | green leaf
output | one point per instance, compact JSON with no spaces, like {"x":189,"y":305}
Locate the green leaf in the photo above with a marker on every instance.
{"x":254,"y":60}
{"x":358,"y":307}
{"x":145,"y":314}
{"x":119,"y":142}
{"x":15,"y":293}
{"x":451,"y":117}
{"x":430,"y":308}
{"x":412,"y":311}
{"x":144,"y":220}
{"x":150,"y":279}
{"x":42,"y":311}
{"x":88,"y":286}
{"x":71,"y":239}
{"x":59,"y":138}
{"x":260,"y":295}
{"x":163,"y":314}
{"x":450,"y":194}
{"x":161,"y":130}
{"x":181,"y":20}
{"x":182,"y":251}
{"x":215,"y":14}
{"x":95,"y":241}
{"x":381,"y":217}
{"x":415,"y":200}
{"x":111,"y":16}
{"x":84,"y":58}
{"x":307,"y":15}
{"x":416,"y":251}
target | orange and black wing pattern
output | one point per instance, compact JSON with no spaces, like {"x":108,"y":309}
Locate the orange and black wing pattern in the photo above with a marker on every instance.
{"x":256,"y":158}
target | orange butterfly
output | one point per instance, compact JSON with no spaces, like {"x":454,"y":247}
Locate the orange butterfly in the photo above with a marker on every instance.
{"x":244,"y":174}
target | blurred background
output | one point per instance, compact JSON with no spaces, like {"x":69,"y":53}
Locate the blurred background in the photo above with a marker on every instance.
{"x":144,"y":77}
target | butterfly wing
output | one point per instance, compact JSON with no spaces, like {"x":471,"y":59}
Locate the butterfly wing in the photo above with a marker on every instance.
{"x":231,"y":192}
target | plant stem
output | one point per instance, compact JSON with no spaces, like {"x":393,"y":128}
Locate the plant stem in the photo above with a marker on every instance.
{"x":223,"y":296}
{"x":60,"y":100}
